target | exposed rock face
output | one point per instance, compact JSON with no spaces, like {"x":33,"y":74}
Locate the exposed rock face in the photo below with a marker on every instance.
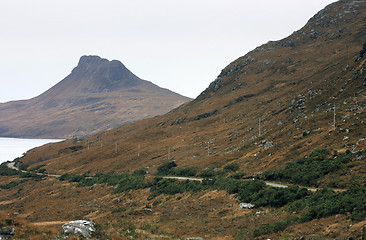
{"x":83,"y":228}
{"x":97,"y":75}
{"x":97,"y":95}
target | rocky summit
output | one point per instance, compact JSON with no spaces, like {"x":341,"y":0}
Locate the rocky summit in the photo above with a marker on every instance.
{"x":97,"y":95}
{"x":274,"y":148}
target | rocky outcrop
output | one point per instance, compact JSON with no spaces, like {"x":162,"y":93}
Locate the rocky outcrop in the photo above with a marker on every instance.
{"x":246,"y":205}
{"x":83,"y":228}
{"x":6,"y":232}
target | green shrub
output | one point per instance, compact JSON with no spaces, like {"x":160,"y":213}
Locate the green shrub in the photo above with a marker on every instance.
{"x":71,"y":177}
{"x":37,"y":168}
{"x":171,"y":169}
{"x":275,"y":227}
{"x":140,"y":172}
{"x":165,"y":168}
{"x":5,"y":171}
{"x":126,"y":182}
{"x":232,"y":167}
{"x":119,"y":209}
{"x":326,"y":202}
{"x":172,"y":187}
{"x":64,"y":177}
{"x":75,"y":178}
{"x":10,"y":185}
{"x":238,"y":175}
{"x":309,"y":171}
{"x":208,"y":173}
{"x":33,"y":176}
{"x":184,"y":172}
{"x":157,"y":202}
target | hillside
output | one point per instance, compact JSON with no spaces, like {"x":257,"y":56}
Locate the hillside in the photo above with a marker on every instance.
{"x":290,"y":111}
{"x":97,"y":95}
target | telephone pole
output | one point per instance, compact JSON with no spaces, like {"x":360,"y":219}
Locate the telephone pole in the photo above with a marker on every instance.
{"x":259,"y":127}
{"x":169,"y":153}
{"x":334,"y":117}
{"x":208,"y":148}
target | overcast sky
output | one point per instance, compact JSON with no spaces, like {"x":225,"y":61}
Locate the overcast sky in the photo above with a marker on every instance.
{"x":181,"y":45}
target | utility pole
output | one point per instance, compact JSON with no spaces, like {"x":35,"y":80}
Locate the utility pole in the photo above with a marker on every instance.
{"x":138,"y":150}
{"x":259,"y":127}
{"x":334,"y":117}
{"x":88,"y":143}
{"x":208,"y":148}
{"x":169,"y":153}
{"x":116,"y":143}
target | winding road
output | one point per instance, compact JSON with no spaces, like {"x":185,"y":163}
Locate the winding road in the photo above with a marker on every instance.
{"x":272,"y":184}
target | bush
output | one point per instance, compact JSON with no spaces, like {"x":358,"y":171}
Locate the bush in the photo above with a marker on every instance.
{"x":119,"y":209}
{"x":33,"y":176}
{"x":172,"y":187}
{"x":232,"y":167}
{"x":184,"y":172}
{"x":171,"y":169}
{"x":309,"y":171}
{"x":165,"y":168}
{"x":64,"y":177}
{"x":10,"y":185}
{"x":208,"y":173}
{"x":5,"y":171}
{"x":275,"y":227}
{"x":76,"y":178}
{"x":274,"y":197}
{"x":38,"y":168}
{"x":140,"y":172}
{"x":71,"y":177}
{"x":238,"y":175}
{"x":326,"y":202}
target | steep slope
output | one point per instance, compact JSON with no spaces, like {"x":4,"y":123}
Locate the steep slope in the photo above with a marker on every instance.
{"x":97,"y":95}
{"x":277,"y":103}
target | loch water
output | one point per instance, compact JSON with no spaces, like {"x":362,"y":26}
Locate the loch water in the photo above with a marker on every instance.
{"x":11,"y":148}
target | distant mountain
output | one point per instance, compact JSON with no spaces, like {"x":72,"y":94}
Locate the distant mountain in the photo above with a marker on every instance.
{"x":98,"y":94}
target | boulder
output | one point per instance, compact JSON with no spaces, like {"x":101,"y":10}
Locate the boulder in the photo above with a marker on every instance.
{"x":6,"y":232}
{"x":246,"y":205}
{"x":83,"y":228}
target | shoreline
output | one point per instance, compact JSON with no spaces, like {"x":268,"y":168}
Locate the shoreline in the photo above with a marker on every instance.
{"x":11,"y":148}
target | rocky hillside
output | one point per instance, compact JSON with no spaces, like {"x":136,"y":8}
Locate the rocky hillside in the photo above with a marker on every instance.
{"x":97,"y":95}
{"x":290,"y":111}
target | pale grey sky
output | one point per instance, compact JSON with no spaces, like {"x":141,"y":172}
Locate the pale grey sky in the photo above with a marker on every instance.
{"x":181,"y":45}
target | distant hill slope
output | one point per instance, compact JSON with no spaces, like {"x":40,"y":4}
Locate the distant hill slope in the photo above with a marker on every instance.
{"x":97,"y":95}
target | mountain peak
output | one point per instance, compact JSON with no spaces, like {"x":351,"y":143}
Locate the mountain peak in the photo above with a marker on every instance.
{"x":96,"y":74}
{"x":87,"y":60}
